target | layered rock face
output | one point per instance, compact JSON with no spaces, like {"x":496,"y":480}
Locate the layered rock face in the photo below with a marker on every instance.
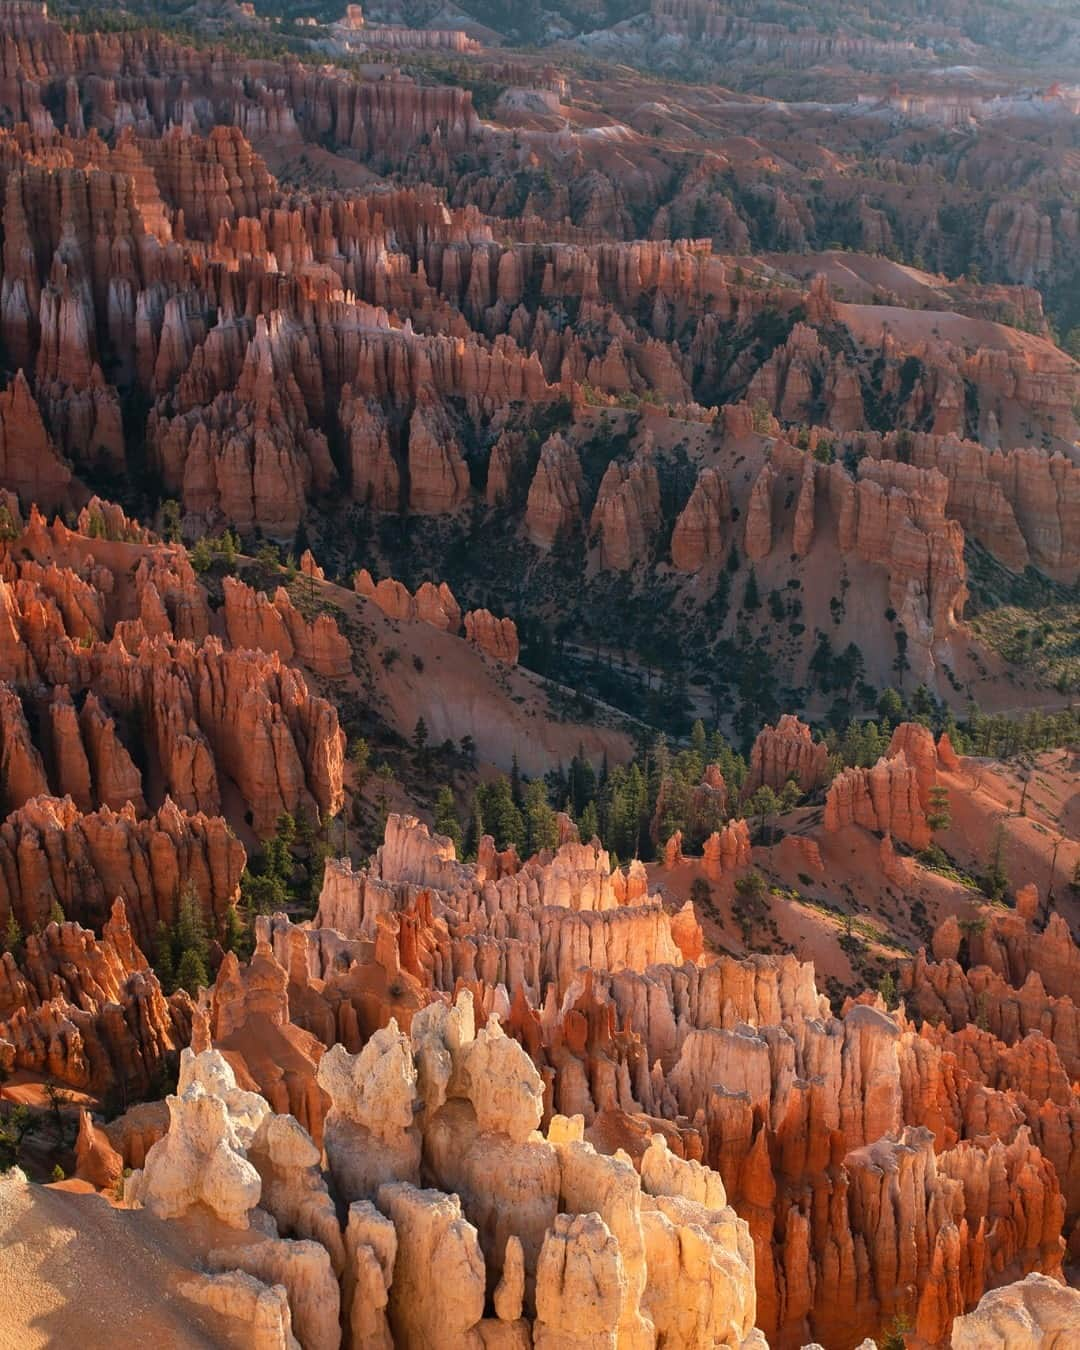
{"x":786,"y":752}
{"x":659,"y":1253}
{"x":626,"y":514}
{"x":51,"y":854}
{"x":892,"y":797}
{"x":208,"y":711}
{"x":89,"y":1012}
{"x":816,"y":1123}
{"x":699,"y":535}
{"x":554,"y":503}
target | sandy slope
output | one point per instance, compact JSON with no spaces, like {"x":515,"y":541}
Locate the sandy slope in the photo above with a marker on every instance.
{"x":79,"y":1274}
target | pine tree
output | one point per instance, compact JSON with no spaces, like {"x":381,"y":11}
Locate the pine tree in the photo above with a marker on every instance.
{"x":190,"y":926}
{"x":589,"y":826}
{"x":234,"y":931}
{"x":515,"y":782}
{"x":420,"y":739}
{"x":164,"y":963}
{"x":751,"y":596}
{"x":504,"y":821}
{"x":938,"y":816}
{"x":446,"y":818}
{"x":996,"y":881}
{"x":541,"y":824}
{"x":191,"y":972}
{"x":475,"y":831}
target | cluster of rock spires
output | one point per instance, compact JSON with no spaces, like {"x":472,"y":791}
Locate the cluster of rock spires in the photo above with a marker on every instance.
{"x":255,"y":323}
{"x":517,"y":1063}
{"x":436,"y":605}
{"x":124,"y":629}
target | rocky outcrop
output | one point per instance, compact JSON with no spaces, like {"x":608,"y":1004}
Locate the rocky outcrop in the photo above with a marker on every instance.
{"x":758,"y":536}
{"x":88,"y":1012}
{"x":438,"y":475}
{"x":431,"y":604}
{"x":1036,"y":1312}
{"x":786,"y":752}
{"x":253,"y":620}
{"x":496,"y":637}
{"x":698,"y":538}
{"x":884,"y":798}
{"x":554,"y":503}
{"x":30,"y":465}
{"x":51,"y":855}
{"x":626,"y":514}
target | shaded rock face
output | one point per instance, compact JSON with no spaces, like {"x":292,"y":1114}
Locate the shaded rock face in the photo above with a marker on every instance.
{"x":554,"y":503}
{"x":626,"y":514}
{"x":89,"y":1013}
{"x":207,"y":710}
{"x":787,"y":751}
{"x":698,"y":540}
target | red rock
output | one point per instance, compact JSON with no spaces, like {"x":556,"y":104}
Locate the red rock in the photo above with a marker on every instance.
{"x":698,"y":538}
{"x":497,"y":637}
{"x":787,"y":751}
{"x":554,"y":503}
{"x":759,"y":524}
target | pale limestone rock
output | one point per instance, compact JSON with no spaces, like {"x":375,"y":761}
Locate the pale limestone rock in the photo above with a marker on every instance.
{"x":510,"y":1292}
{"x":581,"y":1286}
{"x":247,"y":1311}
{"x":212,"y":1072}
{"x":304,"y":1269}
{"x":293,"y":1188}
{"x":505,"y":1088}
{"x":368,"y":1133}
{"x":700,"y":1289}
{"x":608,"y":1186}
{"x":441,"y":1035}
{"x":371,"y":1250}
{"x":1036,"y":1313}
{"x":662,"y":1173}
{"x":434,"y":1236}
{"x":197,"y":1162}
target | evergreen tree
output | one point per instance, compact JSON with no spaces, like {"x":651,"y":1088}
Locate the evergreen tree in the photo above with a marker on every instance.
{"x":938,"y":816}
{"x":504,"y":821}
{"x":234,"y":931}
{"x":190,"y":926}
{"x":475,"y":830}
{"x":751,"y":596}
{"x":191,"y":972}
{"x":515,"y":782}
{"x":164,"y":963}
{"x":589,"y":825}
{"x":541,"y":824}
{"x":420,"y":740}
{"x":446,"y":819}
{"x":996,"y":881}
